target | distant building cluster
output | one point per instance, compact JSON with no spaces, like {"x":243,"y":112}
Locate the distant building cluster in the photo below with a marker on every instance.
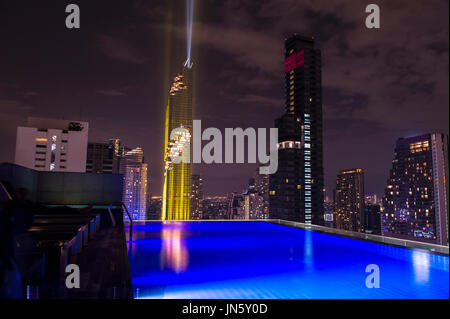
{"x":55,"y":145}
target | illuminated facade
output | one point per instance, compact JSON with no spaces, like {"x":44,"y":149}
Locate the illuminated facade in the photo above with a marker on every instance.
{"x":349,"y":200}
{"x":296,"y":189}
{"x":416,"y":197}
{"x":135,"y":173}
{"x":178,"y":149}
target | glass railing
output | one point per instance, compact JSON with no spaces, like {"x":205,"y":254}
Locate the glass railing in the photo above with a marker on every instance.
{"x":333,"y":231}
{"x":364,"y":236}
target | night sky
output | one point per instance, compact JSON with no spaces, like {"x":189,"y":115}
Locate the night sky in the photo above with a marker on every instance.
{"x":114,"y":72}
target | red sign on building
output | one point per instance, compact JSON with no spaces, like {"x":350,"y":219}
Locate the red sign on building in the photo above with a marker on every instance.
{"x":294,"y":61}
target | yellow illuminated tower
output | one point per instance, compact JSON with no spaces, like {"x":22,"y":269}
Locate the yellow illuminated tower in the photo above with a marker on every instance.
{"x":177,"y":148}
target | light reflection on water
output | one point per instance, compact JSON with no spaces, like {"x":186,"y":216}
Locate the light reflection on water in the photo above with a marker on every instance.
{"x":308,"y":258}
{"x":421,"y":264}
{"x":174,"y":254}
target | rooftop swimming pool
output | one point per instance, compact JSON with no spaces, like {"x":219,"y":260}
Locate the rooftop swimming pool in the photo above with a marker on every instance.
{"x":255,"y":259}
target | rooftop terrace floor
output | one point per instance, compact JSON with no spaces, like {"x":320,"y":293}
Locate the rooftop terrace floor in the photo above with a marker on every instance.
{"x":255,"y":259}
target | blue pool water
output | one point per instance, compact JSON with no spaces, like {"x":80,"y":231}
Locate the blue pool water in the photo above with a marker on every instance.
{"x":262,"y":260}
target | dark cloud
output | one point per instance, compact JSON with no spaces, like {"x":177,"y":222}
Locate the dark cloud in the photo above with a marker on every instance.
{"x":121,"y":50}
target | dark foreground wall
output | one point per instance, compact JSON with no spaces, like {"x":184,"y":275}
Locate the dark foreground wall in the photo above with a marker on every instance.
{"x":64,"y":188}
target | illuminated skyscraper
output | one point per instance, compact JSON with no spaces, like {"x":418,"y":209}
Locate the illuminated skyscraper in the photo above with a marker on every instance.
{"x":296,"y":189}
{"x":349,"y":200}
{"x":417,"y":194}
{"x":135,"y":172}
{"x":177,"y":148}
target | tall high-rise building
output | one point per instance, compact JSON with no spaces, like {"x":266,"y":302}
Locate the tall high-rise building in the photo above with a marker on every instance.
{"x":372,"y":219}
{"x":135,"y":174}
{"x":262,"y":189}
{"x":349,"y":200}
{"x":296,"y":189}
{"x":196,"y":197}
{"x":417,"y":194}
{"x":52,"y":145}
{"x":178,"y":132}
{"x":103,"y":158}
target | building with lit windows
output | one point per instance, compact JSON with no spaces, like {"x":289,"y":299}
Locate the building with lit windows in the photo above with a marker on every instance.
{"x":253,"y":206}
{"x":296,"y":189}
{"x":261,"y":182}
{"x":196,"y":197}
{"x":177,"y":148}
{"x":52,"y":145}
{"x":135,"y":174}
{"x":349,"y":200}
{"x":417,"y":194}
{"x":236,"y":206}
{"x":216,"y":207}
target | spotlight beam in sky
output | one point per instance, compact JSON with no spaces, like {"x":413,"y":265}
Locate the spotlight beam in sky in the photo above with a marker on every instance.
{"x":189,"y":23}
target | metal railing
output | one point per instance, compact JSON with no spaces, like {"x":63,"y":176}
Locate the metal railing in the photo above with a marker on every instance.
{"x":124,"y":209}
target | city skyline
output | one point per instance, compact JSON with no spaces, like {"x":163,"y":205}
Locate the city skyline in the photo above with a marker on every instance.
{"x":126,"y":76}
{"x":222,"y":152}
